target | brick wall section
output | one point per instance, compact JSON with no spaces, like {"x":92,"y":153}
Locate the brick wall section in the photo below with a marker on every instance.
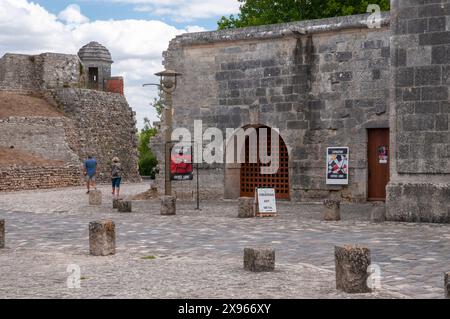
{"x":323,"y":85}
{"x":420,"y":183}
{"x":115,"y":85}
{"x":28,"y":178}
{"x":106,"y":127}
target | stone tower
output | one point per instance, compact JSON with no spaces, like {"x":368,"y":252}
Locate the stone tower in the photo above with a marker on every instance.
{"x":97,"y":65}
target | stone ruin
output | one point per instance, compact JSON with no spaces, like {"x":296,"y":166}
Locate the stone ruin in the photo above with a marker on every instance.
{"x":55,"y":110}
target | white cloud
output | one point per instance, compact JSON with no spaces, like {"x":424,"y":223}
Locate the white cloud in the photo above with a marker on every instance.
{"x":136,"y":45}
{"x":72,"y":15}
{"x":184,"y":10}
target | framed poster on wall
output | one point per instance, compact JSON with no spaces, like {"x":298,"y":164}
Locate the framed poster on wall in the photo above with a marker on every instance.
{"x":337,"y":165}
{"x":181,"y":168}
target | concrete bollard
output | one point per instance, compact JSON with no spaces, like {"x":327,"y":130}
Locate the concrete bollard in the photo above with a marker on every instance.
{"x":352,"y":263}
{"x":124,"y":206}
{"x":102,"y":238}
{"x":447,"y":285}
{"x":259,"y":259}
{"x":115,"y":202}
{"x":332,"y":210}
{"x":246,"y":207}
{"x":95,"y":197}
{"x":168,"y":205}
{"x":2,"y":233}
{"x":378,"y":214}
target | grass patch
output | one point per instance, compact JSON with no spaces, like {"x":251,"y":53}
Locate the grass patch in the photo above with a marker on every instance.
{"x":148,"y":257}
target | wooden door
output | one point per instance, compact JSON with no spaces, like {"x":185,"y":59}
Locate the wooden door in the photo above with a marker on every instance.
{"x":252,"y":178}
{"x":378,"y":163}
{"x":93,"y":78}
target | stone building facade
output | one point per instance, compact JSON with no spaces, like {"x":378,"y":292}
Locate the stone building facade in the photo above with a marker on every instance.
{"x":381,"y":92}
{"x":320,"y":83}
{"x":98,"y":122}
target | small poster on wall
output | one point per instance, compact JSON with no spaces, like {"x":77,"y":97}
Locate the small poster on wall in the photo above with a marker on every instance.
{"x":181,"y":168}
{"x":383,"y":154}
{"x":337,"y":165}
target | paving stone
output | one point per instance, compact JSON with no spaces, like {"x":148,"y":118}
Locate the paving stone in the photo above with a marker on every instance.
{"x":205,"y":247}
{"x":102,"y":238}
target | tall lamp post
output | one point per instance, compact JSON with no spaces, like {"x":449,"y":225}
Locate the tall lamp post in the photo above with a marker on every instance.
{"x":168,"y":83}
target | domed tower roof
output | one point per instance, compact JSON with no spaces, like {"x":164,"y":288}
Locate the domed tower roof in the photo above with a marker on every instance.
{"x":94,"y":51}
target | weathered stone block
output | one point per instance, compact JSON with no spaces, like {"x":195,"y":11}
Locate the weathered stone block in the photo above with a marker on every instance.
{"x":2,"y":233}
{"x":447,"y":285}
{"x":124,"y":206}
{"x":168,"y":205}
{"x":378,"y":213}
{"x":352,"y":263}
{"x":246,"y":207}
{"x":116,"y":202}
{"x":102,"y":238}
{"x":332,"y":210}
{"x":259,"y":259}
{"x":95,"y":197}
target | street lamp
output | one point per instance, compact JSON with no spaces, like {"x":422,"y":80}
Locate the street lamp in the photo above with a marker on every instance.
{"x":168,"y":83}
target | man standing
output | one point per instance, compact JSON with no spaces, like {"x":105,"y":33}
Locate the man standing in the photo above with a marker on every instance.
{"x":90,"y":170}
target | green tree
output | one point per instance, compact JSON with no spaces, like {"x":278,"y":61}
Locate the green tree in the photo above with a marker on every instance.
{"x":158,"y":103}
{"x":260,"y":12}
{"x":147,"y":160}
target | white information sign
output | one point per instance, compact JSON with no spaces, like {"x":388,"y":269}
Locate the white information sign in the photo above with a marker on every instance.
{"x":266,"y":201}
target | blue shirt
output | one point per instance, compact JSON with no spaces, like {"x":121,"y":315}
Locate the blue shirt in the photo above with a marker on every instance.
{"x":91,"y":166}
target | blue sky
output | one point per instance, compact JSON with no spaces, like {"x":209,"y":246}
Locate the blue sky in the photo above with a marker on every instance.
{"x":135,"y":31}
{"x":120,"y":10}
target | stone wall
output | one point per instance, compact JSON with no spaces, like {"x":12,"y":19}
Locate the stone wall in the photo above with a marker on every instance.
{"x":321,"y":83}
{"x":106,"y":127}
{"x":42,"y":136}
{"x":420,"y":178}
{"x":33,"y":177}
{"x":35,"y":73}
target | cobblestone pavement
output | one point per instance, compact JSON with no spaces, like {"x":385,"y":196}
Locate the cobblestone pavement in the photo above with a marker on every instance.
{"x":198,"y":254}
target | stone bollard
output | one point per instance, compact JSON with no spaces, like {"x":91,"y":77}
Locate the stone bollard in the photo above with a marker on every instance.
{"x":2,"y":233}
{"x":447,"y":285}
{"x":124,"y":206}
{"x":102,"y":238}
{"x":352,"y":263}
{"x":115,"y":202}
{"x":378,"y":214}
{"x":95,"y":197}
{"x":168,"y":205}
{"x":332,"y":210}
{"x":259,"y":259}
{"x":246,"y":207}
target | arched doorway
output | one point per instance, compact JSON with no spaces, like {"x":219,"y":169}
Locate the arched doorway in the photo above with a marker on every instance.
{"x":250,"y":173}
